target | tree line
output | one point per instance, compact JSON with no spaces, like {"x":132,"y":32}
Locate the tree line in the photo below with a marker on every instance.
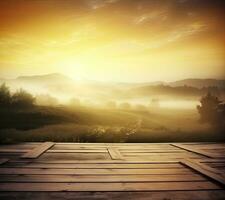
{"x":212,"y":110}
{"x":17,"y":100}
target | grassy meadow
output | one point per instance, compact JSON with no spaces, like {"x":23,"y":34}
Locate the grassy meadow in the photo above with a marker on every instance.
{"x":83,"y":124}
{"x":55,"y":108}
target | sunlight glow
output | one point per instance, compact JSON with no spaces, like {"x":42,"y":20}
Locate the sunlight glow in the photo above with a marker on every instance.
{"x":103,"y":40}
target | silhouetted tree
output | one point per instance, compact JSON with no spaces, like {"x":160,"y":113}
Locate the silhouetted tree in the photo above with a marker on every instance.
{"x":5,"y":96}
{"x":22,"y":99}
{"x":210,"y":110}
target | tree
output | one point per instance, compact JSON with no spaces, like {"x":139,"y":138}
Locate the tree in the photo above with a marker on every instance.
{"x":22,"y":99}
{"x":209,"y":109}
{"x":5,"y":96}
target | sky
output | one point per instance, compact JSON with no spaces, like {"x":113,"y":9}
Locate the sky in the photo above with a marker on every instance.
{"x":113,"y":40}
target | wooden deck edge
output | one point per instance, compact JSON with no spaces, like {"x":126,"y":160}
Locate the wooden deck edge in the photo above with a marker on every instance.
{"x":114,"y":153}
{"x":204,"y":170}
{"x":197,"y":151}
{"x":37,"y":151}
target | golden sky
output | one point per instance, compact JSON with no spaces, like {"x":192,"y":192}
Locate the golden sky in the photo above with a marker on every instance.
{"x":113,"y":40}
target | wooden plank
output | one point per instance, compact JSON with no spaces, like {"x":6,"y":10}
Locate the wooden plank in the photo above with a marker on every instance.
{"x":77,"y":151}
{"x":10,"y":155}
{"x":3,"y":160}
{"x":180,"y":154}
{"x":36,"y":152}
{"x":74,"y":156}
{"x":94,"y":171}
{"x":150,"y":151}
{"x":95,"y":166}
{"x":211,"y":160}
{"x":157,"y":186}
{"x":217,"y":165}
{"x":101,"y":179}
{"x":18,"y":146}
{"x":146,"y":195}
{"x":74,"y":147}
{"x":114,"y":153}
{"x":209,"y":146}
{"x":197,"y":151}
{"x":159,"y":161}
{"x":205,"y":170}
{"x":150,"y":157}
{"x":13,"y":150}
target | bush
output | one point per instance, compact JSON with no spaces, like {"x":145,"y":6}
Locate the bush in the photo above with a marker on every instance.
{"x":210,"y":110}
{"x":22,"y":99}
{"x":5,"y":96}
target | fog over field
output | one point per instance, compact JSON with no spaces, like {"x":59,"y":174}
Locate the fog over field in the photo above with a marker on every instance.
{"x":60,"y":89}
{"x":64,"y":109}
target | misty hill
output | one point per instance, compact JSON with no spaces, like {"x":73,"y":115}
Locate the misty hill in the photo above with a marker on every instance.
{"x":60,"y":78}
{"x":41,"y":83}
{"x":64,"y":88}
{"x":166,"y":90}
{"x":48,"y":78}
{"x":199,"y":83}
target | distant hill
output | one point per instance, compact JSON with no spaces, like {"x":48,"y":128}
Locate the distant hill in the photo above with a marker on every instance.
{"x":60,"y":78}
{"x":199,"y":83}
{"x":196,"y":83}
{"x":61,"y":86}
{"x":166,"y":90}
{"x":48,"y":78}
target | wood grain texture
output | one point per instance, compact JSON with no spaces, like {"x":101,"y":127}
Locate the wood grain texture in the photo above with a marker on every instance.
{"x":114,"y":153}
{"x":157,"y":186}
{"x":93,"y":171}
{"x":146,"y":195}
{"x":194,"y":150}
{"x":97,"y":178}
{"x":37,"y":151}
{"x":205,"y":170}
{"x":94,"y":166}
{"x":112,"y":171}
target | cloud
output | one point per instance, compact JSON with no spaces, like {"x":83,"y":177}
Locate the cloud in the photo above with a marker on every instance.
{"x":95,"y":4}
{"x":151,"y":16}
{"x":186,"y":31}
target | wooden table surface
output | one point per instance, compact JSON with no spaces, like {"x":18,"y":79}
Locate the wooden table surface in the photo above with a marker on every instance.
{"x":165,"y":171}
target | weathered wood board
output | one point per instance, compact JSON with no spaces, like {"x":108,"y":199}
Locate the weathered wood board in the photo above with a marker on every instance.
{"x":112,"y":171}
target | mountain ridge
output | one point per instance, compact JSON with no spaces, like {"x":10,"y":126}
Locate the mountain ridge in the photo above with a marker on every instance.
{"x":57,"y":77}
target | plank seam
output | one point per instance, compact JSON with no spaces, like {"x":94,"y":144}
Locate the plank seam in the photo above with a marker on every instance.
{"x":37,"y":151}
{"x":114,"y":153}
{"x":200,"y":152}
{"x":204,"y":170}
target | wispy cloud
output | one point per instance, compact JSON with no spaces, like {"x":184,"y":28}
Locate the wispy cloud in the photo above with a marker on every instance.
{"x":151,"y":16}
{"x":95,"y":4}
{"x":186,"y":31}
